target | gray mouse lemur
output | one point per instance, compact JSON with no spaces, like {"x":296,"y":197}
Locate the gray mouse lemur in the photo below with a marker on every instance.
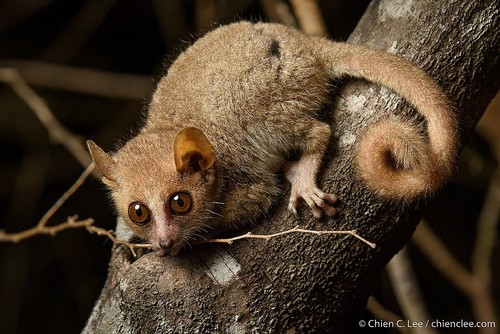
{"x":232,"y":109}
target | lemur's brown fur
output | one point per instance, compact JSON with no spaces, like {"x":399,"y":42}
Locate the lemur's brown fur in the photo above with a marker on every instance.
{"x":235,"y":106}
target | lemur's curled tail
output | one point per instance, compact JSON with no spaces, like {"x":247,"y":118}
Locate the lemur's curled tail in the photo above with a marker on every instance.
{"x":393,"y":158}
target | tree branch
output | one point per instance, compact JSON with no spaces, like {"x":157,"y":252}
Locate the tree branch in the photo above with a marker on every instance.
{"x":299,"y":284}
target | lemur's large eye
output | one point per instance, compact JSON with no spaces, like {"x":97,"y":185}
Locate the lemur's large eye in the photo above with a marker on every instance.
{"x":139,"y":213}
{"x":180,"y":203}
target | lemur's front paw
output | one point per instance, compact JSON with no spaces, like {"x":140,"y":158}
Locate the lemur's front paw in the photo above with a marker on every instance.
{"x":319,"y":201}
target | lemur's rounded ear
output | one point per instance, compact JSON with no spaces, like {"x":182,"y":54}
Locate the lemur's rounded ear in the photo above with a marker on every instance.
{"x":104,"y":164}
{"x":192,"y":151}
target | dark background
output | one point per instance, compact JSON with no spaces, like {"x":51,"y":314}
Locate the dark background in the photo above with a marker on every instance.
{"x":49,"y":284}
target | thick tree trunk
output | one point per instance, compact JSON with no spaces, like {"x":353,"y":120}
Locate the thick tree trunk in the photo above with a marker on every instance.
{"x":304,"y":283}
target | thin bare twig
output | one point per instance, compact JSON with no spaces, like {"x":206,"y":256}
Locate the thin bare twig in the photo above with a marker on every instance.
{"x":486,"y":238}
{"x":133,"y":246}
{"x":70,"y":223}
{"x":67,"y":194}
{"x":296,"y":229}
{"x":111,"y":235}
{"x":88,"y":225}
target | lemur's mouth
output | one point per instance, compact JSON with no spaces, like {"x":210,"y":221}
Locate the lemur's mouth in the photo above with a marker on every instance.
{"x":169,"y":247}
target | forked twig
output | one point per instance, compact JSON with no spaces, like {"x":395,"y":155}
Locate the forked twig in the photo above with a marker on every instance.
{"x":41,"y":227}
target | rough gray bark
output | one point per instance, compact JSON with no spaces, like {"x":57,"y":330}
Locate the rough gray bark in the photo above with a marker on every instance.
{"x":303,"y":283}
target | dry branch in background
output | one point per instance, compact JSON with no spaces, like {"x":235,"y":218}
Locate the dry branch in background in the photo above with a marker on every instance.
{"x":42,"y":227}
{"x":205,"y":14}
{"x":79,"y":80}
{"x":407,"y":291}
{"x":57,"y":132}
{"x":278,"y":11}
{"x":487,"y":229}
{"x":209,"y":13}
{"x":473,"y":286}
{"x":380,"y":312}
{"x":309,"y":16}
